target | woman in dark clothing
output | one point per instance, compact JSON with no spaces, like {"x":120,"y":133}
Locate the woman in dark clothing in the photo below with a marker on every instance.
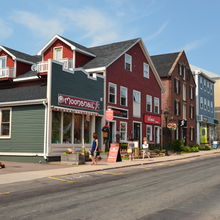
{"x":94,"y":149}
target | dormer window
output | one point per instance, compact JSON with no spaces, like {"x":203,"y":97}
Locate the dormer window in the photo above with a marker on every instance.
{"x":58,"y":53}
{"x":3,"y":62}
{"x":128,"y":62}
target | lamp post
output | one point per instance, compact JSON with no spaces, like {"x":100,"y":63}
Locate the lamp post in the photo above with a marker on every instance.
{"x":166,"y":131}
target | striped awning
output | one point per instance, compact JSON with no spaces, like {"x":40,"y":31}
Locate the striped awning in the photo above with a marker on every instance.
{"x":76,"y":111}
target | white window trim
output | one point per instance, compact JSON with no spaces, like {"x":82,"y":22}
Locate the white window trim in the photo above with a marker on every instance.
{"x":147,"y":75}
{"x":156,"y":98}
{"x":151,"y":132}
{"x":126,"y":130}
{"x":151,"y":104}
{"x":61,"y":51}
{"x":6,"y":136}
{"x":127,"y":55}
{"x":112,"y":84}
{"x":135,"y":91}
{"x":5,"y":57}
{"x":191,"y":134}
{"x":122,"y":87}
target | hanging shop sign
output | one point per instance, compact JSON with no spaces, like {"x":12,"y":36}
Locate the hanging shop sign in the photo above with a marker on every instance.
{"x":120,"y":113}
{"x":172,"y":126}
{"x":71,"y":101}
{"x":151,"y":119}
{"x":109,"y":115}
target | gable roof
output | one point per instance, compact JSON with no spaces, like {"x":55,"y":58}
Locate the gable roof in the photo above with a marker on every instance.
{"x":164,"y":62}
{"x":107,"y":54}
{"x":17,"y":55}
{"x":73,"y":45}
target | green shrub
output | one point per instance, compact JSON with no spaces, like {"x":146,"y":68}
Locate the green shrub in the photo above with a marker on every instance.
{"x":177,"y":145}
{"x":204,"y":147}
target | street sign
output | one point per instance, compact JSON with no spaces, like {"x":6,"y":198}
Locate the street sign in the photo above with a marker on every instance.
{"x":182,"y":123}
{"x":109,"y":114}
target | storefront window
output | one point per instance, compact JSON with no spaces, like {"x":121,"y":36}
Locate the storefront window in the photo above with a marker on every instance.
{"x":123,"y":131}
{"x":77,"y":129}
{"x":87,"y":129}
{"x":56,"y":127}
{"x":67,"y":128}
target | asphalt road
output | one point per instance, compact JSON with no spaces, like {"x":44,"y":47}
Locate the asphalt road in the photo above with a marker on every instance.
{"x":177,"y":190}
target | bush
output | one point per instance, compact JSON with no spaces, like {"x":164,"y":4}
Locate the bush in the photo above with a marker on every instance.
{"x":177,"y":145}
{"x":204,"y":147}
{"x":189,"y":149}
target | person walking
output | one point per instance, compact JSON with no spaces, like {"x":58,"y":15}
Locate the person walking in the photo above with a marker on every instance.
{"x":145,"y":147}
{"x":94,"y":149}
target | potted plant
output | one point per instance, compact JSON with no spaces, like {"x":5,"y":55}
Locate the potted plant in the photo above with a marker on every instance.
{"x":72,"y":156}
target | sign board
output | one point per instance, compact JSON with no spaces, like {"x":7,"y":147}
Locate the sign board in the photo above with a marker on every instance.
{"x":109,"y":115}
{"x":183,"y":123}
{"x":120,"y":113}
{"x":151,"y":119}
{"x":114,"y":153}
{"x":71,"y":101}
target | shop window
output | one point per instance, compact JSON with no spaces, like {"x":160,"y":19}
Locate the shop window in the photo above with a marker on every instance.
{"x":57,"y":53}
{"x":56,"y":127}
{"x":3,"y":62}
{"x":128,"y":62}
{"x":156,"y":105}
{"x":136,"y":103}
{"x":67,"y":128}
{"x":123,"y":131}
{"x":77,"y":129}
{"x":5,"y":120}
{"x":149,"y":103}
{"x":146,"y":70}
{"x":87,"y":129}
{"x":149,"y":133}
{"x":112,"y":93}
{"x":123,"y":96}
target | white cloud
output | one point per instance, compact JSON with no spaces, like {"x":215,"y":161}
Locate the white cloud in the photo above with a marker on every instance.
{"x":158,"y":32}
{"x":40,"y":26}
{"x":194,"y":45}
{"x":96,"y":25}
{"x":5,"y":30}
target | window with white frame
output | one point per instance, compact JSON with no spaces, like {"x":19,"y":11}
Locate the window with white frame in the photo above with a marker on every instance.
{"x":123,"y":131}
{"x":3,"y":62}
{"x":184,"y":92}
{"x":184,"y":73}
{"x":123,"y":96}
{"x":67,"y":128}
{"x":201,"y":82}
{"x":204,"y":84}
{"x":184,"y":110}
{"x":149,"y":132}
{"x":112,"y":91}
{"x":149,"y":103}
{"x":136,"y":103}
{"x":191,"y":92}
{"x":146,"y":70}
{"x":177,"y":107}
{"x":205,"y":103}
{"x":191,"y":112}
{"x":157,"y":134}
{"x":156,"y":105}
{"x":201,"y":102}
{"x":128,"y":62}
{"x":211,"y":106}
{"x":5,"y":120}
{"x":191,"y":134}
{"x":208,"y":105}
{"x":176,"y":86}
{"x":207,"y":86}
{"x":58,"y":53}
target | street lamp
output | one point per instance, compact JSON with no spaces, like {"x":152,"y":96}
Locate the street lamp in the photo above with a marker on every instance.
{"x":166,"y":114}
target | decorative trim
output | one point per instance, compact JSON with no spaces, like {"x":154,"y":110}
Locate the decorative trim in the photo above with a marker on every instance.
{"x":21,"y":154}
{"x":24,"y":102}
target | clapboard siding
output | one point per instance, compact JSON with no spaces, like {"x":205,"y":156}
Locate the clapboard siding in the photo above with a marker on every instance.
{"x":27,"y":134}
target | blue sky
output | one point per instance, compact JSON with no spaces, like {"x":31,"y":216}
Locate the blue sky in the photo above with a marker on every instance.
{"x":164,"y":25}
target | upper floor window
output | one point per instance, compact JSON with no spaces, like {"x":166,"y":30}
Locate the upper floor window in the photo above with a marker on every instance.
{"x":176,"y":86}
{"x":208,"y":105}
{"x":3,"y":62}
{"x":112,"y":93}
{"x":146,"y":70}
{"x":123,"y":96}
{"x":201,"y":82}
{"x":207,"y":86}
{"x":149,"y":103}
{"x":191,"y":92}
{"x":201,"y":102}
{"x":58,"y":53}
{"x":211,"y":106}
{"x":204,"y":84}
{"x":184,"y":92}
{"x":205,"y":103}
{"x":5,"y":121}
{"x":128,"y":62}
{"x":136,"y":103}
{"x":184,"y":110}
{"x":184,"y":73}
{"x":191,"y":112}
{"x":176,"y":107}
{"x":156,"y":105}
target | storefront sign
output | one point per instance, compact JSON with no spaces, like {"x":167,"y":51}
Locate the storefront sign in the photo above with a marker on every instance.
{"x":114,"y":153}
{"x":172,"y":126}
{"x":151,"y":119}
{"x":109,"y":115}
{"x":71,"y":101}
{"x":120,"y":113}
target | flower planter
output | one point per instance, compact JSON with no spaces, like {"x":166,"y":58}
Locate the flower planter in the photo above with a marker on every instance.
{"x":73,"y":158}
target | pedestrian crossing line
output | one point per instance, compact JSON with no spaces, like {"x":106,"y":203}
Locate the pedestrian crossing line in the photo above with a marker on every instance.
{"x":112,"y":173}
{"x":5,"y":193}
{"x":59,"y":179}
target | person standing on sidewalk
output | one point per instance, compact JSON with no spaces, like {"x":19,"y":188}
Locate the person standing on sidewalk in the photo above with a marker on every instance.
{"x":94,"y":149}
{"x":145,"y":147}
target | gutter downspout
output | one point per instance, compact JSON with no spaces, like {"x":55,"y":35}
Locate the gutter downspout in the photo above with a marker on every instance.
{"x":45,"y":130}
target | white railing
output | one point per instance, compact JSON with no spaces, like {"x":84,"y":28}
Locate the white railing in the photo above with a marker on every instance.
{"x":42,"y":67}
{"x":7,"y":72}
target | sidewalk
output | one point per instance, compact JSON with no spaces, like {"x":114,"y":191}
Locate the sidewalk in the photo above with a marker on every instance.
{"x":18,"y":172}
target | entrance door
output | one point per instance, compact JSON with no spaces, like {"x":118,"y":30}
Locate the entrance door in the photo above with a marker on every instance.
{"x":112,"y":135}
{"x":137,"y":132}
